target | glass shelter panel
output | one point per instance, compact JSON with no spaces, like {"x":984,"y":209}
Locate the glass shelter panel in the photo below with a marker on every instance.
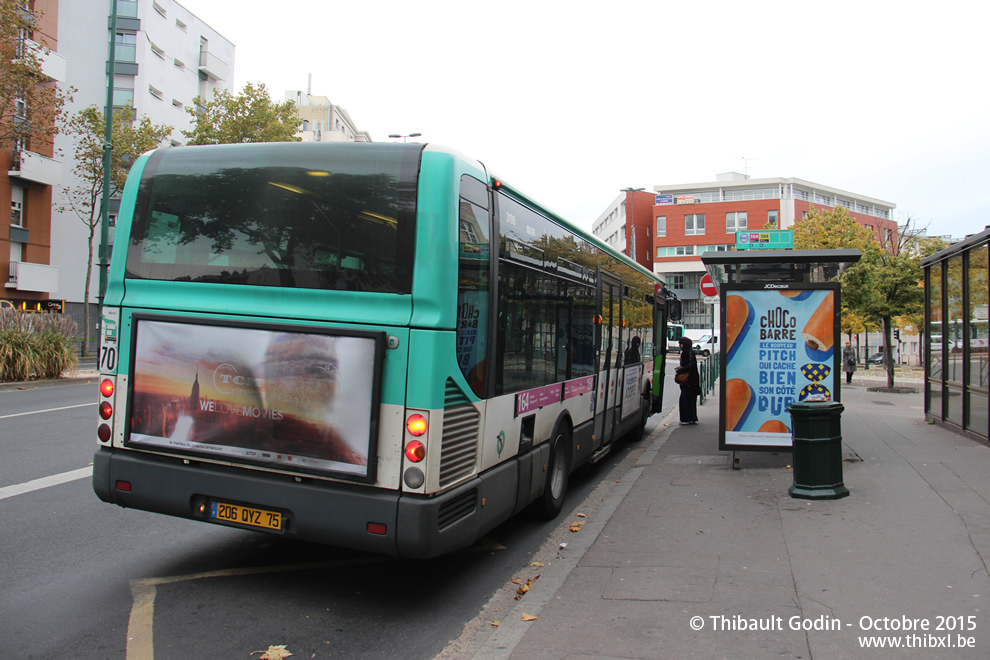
{"x":955,"y":326}
{"x":977,"y":305}
{"x":935,"y":325}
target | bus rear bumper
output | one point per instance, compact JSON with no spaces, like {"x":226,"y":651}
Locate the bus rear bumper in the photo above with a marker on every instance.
{"x":343,"y":515}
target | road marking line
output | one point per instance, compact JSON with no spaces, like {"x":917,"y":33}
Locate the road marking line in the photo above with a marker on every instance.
{"x":45,"y":482}
{"x":140,"y":625}
{"x":35,"y":412}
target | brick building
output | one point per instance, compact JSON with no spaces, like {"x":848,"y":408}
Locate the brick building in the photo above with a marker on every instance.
{"x":691,"y":219}
{"x":28,"y":183}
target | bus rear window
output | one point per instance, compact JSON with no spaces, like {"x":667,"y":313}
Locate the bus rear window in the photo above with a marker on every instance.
{"x":299,"y":215}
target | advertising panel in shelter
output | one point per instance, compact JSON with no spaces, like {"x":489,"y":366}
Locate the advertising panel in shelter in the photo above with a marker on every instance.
{"x":780,"y":349}
{"x":305,"y":401}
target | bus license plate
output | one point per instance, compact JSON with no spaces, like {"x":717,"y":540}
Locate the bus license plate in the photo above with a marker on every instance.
{"x":246,"y":515}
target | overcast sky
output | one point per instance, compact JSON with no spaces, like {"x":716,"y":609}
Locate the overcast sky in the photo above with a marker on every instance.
{"x":573,"y":101}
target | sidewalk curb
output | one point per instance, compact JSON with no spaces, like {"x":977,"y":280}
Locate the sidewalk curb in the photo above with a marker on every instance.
{"x":503,"y":641}
{"x":83,"y":378}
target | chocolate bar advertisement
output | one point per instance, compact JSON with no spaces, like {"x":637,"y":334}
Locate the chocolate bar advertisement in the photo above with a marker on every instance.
{"x":780,"y":348}
{"x":294,"y":400}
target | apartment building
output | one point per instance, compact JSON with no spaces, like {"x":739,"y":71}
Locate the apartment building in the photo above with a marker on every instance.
{"x":626,"y":225}
{"x":164,"y":58}
{"x":691,"y":219}
{"x":669,"y":229}
{"x":28,"y":183}
{"x":323,"y":121}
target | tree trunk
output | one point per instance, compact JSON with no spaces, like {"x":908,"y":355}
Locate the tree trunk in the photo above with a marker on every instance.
{"x":89,"y":274}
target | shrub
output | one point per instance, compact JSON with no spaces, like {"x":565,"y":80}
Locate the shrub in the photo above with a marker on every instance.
{"x":35,"y":345}
{"x":16,"y":355}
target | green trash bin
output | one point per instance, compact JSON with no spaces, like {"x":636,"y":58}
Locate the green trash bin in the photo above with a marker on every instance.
{"x":817,"y":452}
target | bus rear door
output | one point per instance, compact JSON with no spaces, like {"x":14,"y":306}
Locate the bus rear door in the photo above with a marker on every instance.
{"x":609,"y":339}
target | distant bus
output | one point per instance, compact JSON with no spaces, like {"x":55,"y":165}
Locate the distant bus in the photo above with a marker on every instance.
{"x":674,"y":333}
{"x":374,"y":346}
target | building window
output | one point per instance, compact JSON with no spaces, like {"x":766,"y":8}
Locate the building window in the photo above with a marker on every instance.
{"x":661,"y":225}
{"x":735,"y":221}
{"x":676,"y":281}
{"x":123,"y":98}
{"x":125,"y":44}
{"x":157,"y":93}
{"x":179,"y":24}
{"x":684,"y":251}
{"x":772,"y":218}
{"x":159,"y":8}
{"x":694,"y":224}
{"x":16,"y":214}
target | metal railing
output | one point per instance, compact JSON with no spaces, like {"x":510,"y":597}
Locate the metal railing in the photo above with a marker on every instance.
{"x":708,"y":369}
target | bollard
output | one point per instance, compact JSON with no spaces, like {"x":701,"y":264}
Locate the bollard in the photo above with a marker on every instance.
{"x":817,"y":453}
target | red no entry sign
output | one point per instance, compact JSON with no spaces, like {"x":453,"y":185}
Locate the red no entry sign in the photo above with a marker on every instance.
{"x":707,"y":286}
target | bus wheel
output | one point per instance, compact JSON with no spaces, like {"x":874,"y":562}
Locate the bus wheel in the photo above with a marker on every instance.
{"x":558,"y":473}
{"x":645,"y":410}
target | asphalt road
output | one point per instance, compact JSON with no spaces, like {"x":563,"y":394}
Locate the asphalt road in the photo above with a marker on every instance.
{"x":85,"y":579}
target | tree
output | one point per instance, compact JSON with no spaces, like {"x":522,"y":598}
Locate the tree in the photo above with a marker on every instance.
{"x":885,"y":284}
{"x":914,"y":322}
{"x":890,"y":284}
{"x":835,"y":229}
{"x":31,"y":104}
{"x":84,"y":199}
{"x":251,"y":116}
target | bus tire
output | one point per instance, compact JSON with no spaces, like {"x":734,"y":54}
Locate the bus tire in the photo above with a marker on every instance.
{"x":645,"y":410}
{"x":549,"y":504}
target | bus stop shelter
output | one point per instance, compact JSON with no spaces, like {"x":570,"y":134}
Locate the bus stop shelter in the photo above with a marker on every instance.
{"x":780,"y":313}
{"x":957,"y":370}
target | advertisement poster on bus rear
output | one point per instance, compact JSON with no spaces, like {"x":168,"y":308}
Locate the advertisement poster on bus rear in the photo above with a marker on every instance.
{"x":295,"y":400}
{"x":780,"y":349}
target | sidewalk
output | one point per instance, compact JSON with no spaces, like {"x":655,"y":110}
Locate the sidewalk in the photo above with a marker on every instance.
{"x":688,"y":558}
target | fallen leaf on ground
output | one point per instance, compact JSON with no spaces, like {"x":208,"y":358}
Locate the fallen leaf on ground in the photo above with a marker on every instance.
{"x":274,"y":653}
{"x":528,"y":617}
{"x":582,"y":515}
{"x":517,"y":580}
{"x":496,"y":623}
{"x":576,"y":526}
{"x":536,"y":563}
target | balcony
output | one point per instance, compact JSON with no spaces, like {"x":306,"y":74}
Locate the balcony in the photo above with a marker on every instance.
{"x":212,"y":66}
{"x":52,"y":64}
{"x":25,"y":276}
{"x":34,"y":167}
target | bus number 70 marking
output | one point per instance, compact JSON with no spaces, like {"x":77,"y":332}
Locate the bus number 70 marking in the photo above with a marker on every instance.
{"x":108,"y":358}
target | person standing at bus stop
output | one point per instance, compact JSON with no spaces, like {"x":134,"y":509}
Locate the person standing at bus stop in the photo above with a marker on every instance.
{"x":849,"y":361}
{"x":691,"y":386}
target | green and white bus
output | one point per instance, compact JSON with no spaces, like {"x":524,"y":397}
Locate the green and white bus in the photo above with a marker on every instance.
{"x":373,"y":346}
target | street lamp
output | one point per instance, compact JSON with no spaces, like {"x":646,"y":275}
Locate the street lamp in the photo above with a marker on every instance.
{"x":396,"y":135}
{"x":632,"y":250}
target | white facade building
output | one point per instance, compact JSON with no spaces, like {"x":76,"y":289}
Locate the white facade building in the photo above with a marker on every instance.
{"x":610,"y":226}
{"x":165,"y":57}
{"x":322,"y":121}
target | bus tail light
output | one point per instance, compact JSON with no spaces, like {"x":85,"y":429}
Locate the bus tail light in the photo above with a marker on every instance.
{"x":105,"y":430}
{"x":416,"y":425}
{"x":417,"y":428}
{"x":415,"y":451}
